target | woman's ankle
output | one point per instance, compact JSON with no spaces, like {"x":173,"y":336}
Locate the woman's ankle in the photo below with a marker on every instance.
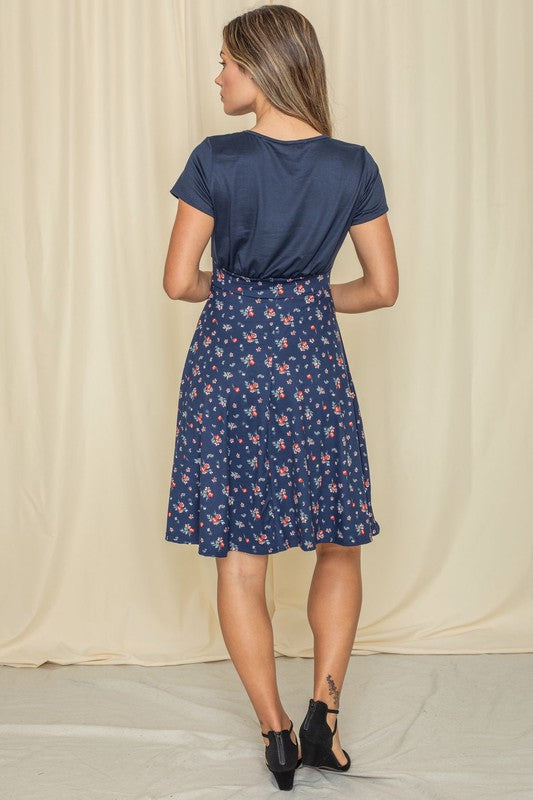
{"x":275,"y":723}
{"x":325,"y":698}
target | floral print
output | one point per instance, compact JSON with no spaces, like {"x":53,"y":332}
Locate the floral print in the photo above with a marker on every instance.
{"x":270,"y":447}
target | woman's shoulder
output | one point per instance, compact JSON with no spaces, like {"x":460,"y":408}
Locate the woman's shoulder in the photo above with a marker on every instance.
{"x":246,"y":139}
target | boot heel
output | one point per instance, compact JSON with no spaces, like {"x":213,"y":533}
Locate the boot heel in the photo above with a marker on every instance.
{"x":285,"y":780}
{"x":281,"y":755}
{"x":316,"y":739}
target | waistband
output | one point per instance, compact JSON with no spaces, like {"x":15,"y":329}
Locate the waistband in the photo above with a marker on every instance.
{"x":280,"y":288}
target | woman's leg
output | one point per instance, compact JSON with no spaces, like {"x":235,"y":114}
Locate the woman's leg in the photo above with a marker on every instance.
{"x":247,"y":630}
{"x":333,"y":608}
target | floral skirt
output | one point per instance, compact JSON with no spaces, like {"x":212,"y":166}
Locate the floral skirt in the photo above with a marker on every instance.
{"x":270,"y":449}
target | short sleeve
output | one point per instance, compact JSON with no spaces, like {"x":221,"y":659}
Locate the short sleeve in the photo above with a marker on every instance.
{"x":370,"y":201}
{"x":193,"y":185}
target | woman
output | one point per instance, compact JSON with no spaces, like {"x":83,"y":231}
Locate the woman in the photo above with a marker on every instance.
{"x":270,"y":449}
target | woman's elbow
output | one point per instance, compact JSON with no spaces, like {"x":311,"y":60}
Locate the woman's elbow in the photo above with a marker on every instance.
{"x":174,"y":290}
{"x":390,"y":298}
{"x":390,"y":291}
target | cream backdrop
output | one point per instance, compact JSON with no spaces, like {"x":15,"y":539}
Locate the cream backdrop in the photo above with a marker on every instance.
{"x":102,"y":102}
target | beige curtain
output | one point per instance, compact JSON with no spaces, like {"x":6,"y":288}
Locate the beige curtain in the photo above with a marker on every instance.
{"x":101,"y":104}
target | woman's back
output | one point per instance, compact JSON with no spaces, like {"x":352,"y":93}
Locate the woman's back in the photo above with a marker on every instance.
{"x":282,"y":208}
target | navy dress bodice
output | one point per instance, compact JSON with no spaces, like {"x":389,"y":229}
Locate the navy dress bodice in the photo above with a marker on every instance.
{"x":281,"y":209}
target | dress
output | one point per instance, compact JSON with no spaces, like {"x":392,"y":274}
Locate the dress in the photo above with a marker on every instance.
{"x":270,"y":448}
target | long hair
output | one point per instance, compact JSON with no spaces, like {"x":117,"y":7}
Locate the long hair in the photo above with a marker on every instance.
{"x":279,"y":47}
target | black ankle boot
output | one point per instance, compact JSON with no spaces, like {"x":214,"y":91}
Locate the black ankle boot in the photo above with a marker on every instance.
{"x":282,"y":756}
{"x":316,"y":739}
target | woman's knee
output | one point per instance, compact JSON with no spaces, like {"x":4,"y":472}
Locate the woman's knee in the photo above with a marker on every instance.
{"x":243,"y":566}
{"x":330,"y":549}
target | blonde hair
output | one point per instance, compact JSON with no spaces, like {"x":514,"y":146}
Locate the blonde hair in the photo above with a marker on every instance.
{"x":279,"y":47}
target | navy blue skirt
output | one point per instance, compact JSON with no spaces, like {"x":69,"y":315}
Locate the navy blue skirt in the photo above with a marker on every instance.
{"x":270,"y":448}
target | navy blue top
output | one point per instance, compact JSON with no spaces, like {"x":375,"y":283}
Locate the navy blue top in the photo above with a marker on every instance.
{"x":281,"y":208}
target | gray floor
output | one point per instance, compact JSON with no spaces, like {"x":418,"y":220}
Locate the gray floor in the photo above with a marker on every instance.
{"x":456,"y":727}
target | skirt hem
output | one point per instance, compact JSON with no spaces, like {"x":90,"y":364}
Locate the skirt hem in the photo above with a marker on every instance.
{"x":364,"y":540}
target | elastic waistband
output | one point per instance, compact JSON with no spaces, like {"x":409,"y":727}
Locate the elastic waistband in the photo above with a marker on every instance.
{"x":280,"y":288}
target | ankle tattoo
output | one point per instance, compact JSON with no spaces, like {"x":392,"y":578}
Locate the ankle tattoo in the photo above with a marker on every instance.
{"x":333,"y":691}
